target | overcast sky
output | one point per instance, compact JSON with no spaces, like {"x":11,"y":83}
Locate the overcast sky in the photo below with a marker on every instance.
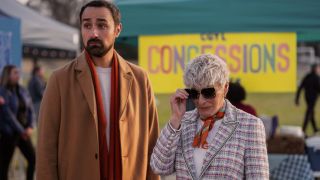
{"x":23,"y":1}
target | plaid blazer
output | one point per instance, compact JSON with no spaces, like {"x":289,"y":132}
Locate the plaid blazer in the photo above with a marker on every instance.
{"x":238,"y":150}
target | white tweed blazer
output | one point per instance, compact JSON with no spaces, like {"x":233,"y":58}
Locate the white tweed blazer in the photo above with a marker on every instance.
{"x":238,"y":150}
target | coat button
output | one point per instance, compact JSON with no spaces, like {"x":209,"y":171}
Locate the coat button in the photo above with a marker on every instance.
{"x":96,"y":156}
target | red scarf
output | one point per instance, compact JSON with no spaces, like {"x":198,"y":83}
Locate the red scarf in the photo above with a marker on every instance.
{"x":110,"y":162}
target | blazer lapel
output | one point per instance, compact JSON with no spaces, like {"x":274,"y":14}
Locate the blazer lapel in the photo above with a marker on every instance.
{"x":125,"y":78}
{"x":85,"y":80}
{"x":227,"y":128}
{"x":187,"y":136}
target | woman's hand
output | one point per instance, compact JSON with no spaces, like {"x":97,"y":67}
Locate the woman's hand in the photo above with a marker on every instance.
{"x":2,"y":101}
{"x":27,"y":133}
{"x":178,"y":102}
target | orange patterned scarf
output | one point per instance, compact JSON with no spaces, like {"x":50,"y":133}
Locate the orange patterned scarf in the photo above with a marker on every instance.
{"x":200,"y":140}
{"x":110,"y":162}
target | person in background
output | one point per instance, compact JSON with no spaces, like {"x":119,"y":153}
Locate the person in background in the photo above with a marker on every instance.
{"x":311,"y":85}
{"x":36,"y":87}
{"x":236,"y":95}
{"x":16,"y":121}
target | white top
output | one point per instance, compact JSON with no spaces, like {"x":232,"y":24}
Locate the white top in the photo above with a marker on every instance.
{"x":199,"y":153}
{"x":104,"y":75}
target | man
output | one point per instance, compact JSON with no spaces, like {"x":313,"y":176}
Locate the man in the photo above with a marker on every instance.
{"x":311,"y":86}
{"x":98,"y":118}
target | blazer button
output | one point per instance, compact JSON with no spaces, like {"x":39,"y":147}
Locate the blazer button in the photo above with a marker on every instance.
{"x":96,"y":156}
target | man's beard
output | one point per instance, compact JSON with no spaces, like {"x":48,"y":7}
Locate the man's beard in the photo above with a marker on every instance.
{"x":97,"y":50}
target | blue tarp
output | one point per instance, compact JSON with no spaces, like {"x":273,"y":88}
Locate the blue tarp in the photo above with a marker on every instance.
{"x":10,"y":41}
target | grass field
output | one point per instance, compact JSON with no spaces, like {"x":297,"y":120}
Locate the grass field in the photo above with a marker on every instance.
{"x":281,"y":104}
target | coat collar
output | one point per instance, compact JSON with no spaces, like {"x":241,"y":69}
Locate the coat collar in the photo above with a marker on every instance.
{"x":225,"y":131}
{"x":86,"y":84}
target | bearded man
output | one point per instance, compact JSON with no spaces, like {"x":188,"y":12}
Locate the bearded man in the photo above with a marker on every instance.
{"x":98,"y":118}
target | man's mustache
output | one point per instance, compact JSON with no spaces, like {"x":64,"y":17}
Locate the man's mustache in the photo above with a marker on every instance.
{"x":95,"y":40}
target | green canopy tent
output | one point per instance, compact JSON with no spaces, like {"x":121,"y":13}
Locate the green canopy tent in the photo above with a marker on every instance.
{"x":155,"y":17}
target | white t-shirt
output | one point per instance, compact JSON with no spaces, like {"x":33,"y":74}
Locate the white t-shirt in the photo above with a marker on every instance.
{"x":104,"y":75}
{"x":199,"y":153}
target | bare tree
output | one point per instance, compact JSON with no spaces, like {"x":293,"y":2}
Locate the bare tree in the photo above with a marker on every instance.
{"x":65,"y":11}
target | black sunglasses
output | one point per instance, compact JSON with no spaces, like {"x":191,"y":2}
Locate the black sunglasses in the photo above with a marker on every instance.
{"x":207,"y":93}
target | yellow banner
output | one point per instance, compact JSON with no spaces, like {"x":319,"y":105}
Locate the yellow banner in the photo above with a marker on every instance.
{"x":262,"y":62}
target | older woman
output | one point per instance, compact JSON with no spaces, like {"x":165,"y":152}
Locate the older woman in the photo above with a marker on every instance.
{"x":215,"y":140}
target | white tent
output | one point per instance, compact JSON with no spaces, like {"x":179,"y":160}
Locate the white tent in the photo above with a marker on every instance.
{"x":40,"y":31}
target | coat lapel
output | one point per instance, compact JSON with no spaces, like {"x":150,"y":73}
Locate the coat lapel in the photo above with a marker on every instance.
{"x":188,"y":134}
{"x":225,"y":131}
{"x":125,"y":78}
{"x":85,"y":80}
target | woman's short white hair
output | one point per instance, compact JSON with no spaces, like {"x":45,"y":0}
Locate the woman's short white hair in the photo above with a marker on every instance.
{"x":206,"y":70}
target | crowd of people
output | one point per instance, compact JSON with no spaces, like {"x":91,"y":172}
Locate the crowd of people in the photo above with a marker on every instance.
{"x":18,"y":111}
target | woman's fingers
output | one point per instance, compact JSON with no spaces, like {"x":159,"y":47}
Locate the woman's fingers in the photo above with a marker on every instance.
{"x":178,"y":95}
{"x":182,"y":91}
{"x":181,"y":96}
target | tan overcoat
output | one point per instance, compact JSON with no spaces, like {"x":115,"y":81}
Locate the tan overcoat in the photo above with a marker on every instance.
{"x":68,"y":147}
